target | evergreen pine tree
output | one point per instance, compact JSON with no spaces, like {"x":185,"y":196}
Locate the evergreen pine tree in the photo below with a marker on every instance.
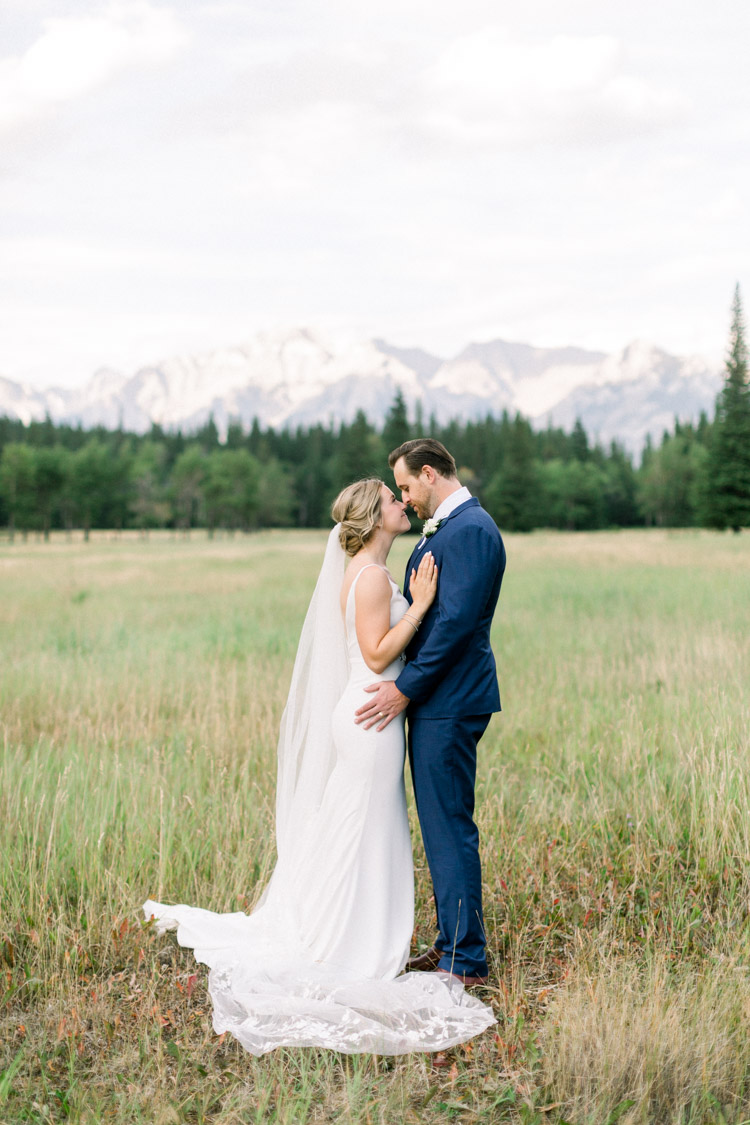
{"x":729,"y":461}
{"x":512,"y":496}
{"x":396,"y":429}
{"x":235,"y":434}
{"x":579,"y":442}
{"x":358,"y":452}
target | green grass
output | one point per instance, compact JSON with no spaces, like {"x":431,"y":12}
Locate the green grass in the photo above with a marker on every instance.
{"x":140,"y":695}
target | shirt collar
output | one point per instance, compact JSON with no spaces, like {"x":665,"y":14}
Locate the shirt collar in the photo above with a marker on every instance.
{"x":455,"y":500}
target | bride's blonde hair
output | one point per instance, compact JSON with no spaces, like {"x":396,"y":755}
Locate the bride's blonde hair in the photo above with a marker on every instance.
{"x":357,"y":508}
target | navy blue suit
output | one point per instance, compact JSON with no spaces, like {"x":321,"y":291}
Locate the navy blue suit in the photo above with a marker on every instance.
{"x":451,"y":682}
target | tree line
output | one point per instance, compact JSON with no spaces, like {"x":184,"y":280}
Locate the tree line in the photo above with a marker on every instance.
{"x":64,"y":477}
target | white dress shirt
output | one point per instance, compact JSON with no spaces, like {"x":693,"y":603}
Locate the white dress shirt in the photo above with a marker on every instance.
{"x":455,"y":500}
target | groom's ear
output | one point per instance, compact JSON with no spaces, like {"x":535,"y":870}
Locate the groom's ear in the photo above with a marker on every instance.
{"x":429,"y":473}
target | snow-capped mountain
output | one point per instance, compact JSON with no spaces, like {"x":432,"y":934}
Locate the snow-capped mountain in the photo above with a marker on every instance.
{"x":297,"y":378}
{"x":639,"y":393}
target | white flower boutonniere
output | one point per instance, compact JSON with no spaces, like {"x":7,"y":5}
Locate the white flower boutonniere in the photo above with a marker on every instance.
{"x":430,"y":527}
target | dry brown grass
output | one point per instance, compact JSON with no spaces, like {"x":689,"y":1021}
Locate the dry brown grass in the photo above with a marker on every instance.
{"x":140,"y":697}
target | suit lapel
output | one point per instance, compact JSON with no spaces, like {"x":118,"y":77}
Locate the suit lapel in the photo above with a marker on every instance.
{"x":413,"y":557}
{"x":470,"y":503}
{"x":407,"y":574}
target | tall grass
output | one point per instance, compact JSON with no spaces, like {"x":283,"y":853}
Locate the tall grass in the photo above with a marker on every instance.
{"x":140,"y":696}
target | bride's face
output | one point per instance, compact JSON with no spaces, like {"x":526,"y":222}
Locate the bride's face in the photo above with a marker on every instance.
{"x":393,"y":513}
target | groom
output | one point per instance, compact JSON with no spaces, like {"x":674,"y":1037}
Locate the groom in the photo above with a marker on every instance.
{"x":449,"y":686}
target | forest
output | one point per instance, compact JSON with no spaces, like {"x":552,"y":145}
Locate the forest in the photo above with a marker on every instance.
{"x":57,"y":476}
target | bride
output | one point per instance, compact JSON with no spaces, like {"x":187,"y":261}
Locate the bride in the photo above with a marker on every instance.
{"x":317,"y":963}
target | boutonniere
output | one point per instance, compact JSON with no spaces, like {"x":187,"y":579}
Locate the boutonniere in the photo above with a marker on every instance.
{"x":430,"y":527}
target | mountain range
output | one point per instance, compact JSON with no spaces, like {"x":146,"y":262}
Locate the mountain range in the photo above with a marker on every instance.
{"x":295,"y":378}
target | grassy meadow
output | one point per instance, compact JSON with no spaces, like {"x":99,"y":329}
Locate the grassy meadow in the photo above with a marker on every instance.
{"x":141,"y":690}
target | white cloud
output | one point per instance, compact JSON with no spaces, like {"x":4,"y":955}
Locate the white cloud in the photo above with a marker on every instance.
{"x":491,"y":88}
{"x":304,"y":110}
{"x":427,"y":174}
{"x":77,"y":54}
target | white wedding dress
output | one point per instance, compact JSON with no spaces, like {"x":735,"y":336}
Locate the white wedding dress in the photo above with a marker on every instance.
{"x":317,"y":962}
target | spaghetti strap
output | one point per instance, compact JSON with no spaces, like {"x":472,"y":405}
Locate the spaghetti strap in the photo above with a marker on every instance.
{"x":356,"y":578}
{"x":367,"y":567}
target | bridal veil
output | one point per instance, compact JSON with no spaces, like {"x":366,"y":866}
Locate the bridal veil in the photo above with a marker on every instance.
{"x":271,"y":980}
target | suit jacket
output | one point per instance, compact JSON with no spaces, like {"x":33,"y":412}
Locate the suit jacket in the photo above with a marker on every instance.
{"x":450,"y":669}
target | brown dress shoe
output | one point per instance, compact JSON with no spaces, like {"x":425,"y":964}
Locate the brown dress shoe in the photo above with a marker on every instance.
{"x":425,"y":962}
{"x":467,"y":981}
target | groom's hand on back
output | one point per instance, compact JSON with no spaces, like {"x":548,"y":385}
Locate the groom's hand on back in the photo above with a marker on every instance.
{"x":387,"y":702}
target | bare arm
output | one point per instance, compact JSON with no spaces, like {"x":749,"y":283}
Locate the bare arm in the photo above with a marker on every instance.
{"x":379,"y":643}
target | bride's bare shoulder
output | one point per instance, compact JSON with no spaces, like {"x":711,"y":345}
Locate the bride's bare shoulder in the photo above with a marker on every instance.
{"x":371,"y":586}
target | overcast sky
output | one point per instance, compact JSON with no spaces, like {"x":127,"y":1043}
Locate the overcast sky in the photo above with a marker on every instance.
{"x":175,"y":177}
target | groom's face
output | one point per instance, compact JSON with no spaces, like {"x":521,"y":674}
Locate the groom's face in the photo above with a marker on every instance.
{"x":416,"y":491}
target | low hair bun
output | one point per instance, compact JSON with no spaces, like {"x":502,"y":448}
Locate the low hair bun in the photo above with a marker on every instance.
{"x":357,"y":509}
{"x":351,"y":537}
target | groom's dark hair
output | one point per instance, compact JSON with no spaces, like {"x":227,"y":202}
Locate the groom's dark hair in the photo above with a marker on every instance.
{"x":424,"y":451}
